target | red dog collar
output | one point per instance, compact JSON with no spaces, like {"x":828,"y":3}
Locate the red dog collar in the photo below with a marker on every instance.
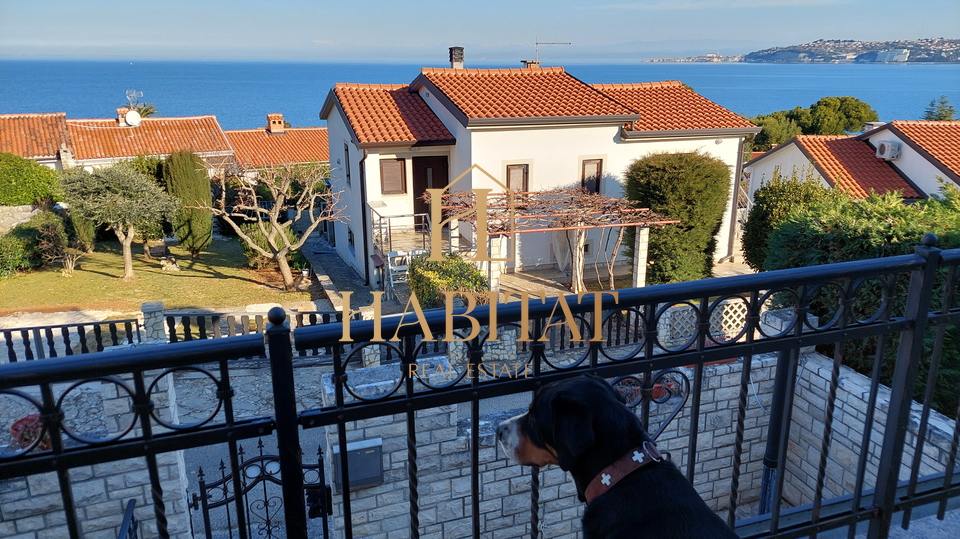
{"x":634,"y":460}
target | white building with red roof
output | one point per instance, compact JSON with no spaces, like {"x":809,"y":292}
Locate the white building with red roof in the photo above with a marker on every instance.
{"x":532,"y":129}
{"x":906,"y":156}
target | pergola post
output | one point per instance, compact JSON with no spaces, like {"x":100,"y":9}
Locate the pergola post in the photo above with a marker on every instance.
{"x":640,"y":241}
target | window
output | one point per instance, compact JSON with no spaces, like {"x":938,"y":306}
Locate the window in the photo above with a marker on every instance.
{"x":592,"y":171}
{"x":518,"y":178}
{"x":346,"y":162}
{"x":393,"y":177}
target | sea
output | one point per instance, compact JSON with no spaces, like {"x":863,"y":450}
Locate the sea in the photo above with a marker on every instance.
{"x":240,"y":94}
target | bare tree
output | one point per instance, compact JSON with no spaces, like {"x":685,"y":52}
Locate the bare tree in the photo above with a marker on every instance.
{"x":267,"y":197}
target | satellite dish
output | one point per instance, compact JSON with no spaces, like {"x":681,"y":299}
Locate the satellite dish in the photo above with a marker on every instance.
{"x":132,"y":117}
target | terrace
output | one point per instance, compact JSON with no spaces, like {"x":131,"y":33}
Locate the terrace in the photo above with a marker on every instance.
{"x":780,"y":440}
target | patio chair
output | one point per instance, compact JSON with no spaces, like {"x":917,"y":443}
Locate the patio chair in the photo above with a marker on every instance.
{"x":397,"y":267}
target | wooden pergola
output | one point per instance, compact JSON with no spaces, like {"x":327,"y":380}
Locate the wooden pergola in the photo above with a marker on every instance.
{"x":511,"y":213}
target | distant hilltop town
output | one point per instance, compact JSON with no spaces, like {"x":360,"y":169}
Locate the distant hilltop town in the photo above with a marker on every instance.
{"x":835,"y":51}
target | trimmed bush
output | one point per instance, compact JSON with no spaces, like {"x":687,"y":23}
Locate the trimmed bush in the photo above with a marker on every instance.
{"x":13,"y":256}
{"x":692,"y":188}
{"x":24,"y":182}
{"x":255,"y":259}
{"x":429,"y":280}
{"x":772,"y":203}
{"x":187,"y":181}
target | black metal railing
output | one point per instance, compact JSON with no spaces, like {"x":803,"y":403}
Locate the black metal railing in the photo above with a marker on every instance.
{"x":909,"y":324}
{"x":41,"y":342}
{"x":129,"y":527}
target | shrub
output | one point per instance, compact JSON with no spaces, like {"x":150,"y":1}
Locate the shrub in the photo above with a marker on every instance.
{"x":187,"y":181}
{"x":429,"y":279}
{"x":772,"y":203}
{"x":13,"y":255}
{"x":255,"y":259}
{"x":23,"y":181}
{"x":692,"y":188}
{"x":846,"y":229}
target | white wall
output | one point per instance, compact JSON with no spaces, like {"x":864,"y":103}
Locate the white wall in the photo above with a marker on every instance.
{"x":555,"y":155}
{"x":789,"y":159}
{"x":338,"y":134}
{"x":920,"y":171}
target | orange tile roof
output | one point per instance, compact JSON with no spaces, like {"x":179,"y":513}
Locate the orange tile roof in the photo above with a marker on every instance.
{"x":852,"y":165}
{"x":104,"y":139}
{"x":382,"y":113}
{"x":33,"y":136}
{"x":259,"y":148}
{"x":669,"y":106}
{"x":521,"y":93}
{"x":941,"y":140}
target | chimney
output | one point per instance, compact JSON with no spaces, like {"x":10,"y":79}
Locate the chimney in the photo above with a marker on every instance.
{"x":456,"y":57}
{"x":870,"y":126}
{"x":530,"y":64}
{"x":122,"y":116}
{"x":275,"y":124}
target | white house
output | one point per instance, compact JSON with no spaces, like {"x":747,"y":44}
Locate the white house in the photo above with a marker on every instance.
{"x":533,"y":129}
{"x":906,"y":156}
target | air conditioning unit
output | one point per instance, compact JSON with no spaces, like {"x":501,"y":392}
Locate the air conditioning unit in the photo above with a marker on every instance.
{"x":888,"y":149}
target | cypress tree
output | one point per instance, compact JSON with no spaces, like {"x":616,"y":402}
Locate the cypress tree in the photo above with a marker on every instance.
{"x":187,"y":180}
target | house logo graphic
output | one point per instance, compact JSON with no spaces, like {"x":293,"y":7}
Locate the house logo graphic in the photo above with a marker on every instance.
{"x":481,"y":213}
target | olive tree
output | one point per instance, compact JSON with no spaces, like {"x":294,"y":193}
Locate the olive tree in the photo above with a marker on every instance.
{"x":277,"y":198}
{"x":121,"y":198}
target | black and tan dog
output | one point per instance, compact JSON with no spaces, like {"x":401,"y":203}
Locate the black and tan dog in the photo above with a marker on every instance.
{"x":582,"y":425}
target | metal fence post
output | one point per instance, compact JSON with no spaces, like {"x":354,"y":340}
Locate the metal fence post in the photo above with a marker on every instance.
{"x":280,"y":349}
{"x":904,"y":381}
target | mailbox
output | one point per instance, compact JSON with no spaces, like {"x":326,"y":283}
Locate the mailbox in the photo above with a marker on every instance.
{"x":365,"y":459}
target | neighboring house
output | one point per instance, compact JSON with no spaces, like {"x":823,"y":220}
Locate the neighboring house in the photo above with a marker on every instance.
{"x":100,"y":142}
{"x":906,"y":156}
{"x":279,"y":145}
{"x":41,"y":137}
{"x":534,"y":129}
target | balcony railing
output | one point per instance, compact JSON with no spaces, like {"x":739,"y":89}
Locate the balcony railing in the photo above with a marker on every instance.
{"x":904,"y":455}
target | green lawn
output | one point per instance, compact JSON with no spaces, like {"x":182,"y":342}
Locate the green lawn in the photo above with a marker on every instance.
{"x":219,"y":279}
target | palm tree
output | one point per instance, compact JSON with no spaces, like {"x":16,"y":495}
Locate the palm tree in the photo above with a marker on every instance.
{"x":145,"y":109}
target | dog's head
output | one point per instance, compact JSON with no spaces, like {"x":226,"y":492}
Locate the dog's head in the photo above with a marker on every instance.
{"x":565,"y":420}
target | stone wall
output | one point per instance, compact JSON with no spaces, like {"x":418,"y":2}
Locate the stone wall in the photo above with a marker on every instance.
{"x":853,"y":395}
{"x":443,"y":444}
{"x":31,"y":507}
{"x":11,"y":216}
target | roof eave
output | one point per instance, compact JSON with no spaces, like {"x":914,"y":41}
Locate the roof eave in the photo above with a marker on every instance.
{"x":626,"y":134}
{"x":407,"y":144}
{"x":790,"y":142}
{"x":328,"y":104}
{"x":613,"y":119}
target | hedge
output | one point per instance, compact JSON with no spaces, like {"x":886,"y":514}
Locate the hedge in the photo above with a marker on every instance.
{"x":24,"y":182}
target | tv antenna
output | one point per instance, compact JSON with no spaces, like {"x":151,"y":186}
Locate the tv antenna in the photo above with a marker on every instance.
{"x":132,"y":96}
{"x":537,"y":43}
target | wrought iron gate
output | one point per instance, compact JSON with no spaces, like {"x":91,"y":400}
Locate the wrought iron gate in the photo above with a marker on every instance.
{"x":259,"y":512}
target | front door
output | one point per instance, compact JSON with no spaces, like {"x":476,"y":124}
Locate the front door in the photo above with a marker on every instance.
{"x":428,"y":173}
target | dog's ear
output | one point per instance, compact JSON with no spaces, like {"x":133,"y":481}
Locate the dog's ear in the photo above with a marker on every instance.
{"x":572,"y":429}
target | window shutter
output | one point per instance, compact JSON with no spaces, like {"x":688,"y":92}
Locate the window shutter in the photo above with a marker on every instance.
{"x":517,"y":178}
{"x":393,"y":180}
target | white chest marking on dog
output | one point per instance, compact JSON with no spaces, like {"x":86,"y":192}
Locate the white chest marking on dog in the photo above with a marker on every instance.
{"x":638,"y":456}
{"x":605,"y":479}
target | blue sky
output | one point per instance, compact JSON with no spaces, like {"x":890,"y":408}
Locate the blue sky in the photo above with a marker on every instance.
{"x":492,"y":31}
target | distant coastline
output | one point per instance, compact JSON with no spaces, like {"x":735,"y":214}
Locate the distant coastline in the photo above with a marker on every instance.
{"x":821,"y":51}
